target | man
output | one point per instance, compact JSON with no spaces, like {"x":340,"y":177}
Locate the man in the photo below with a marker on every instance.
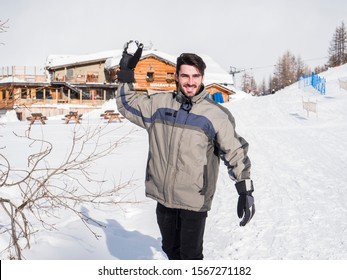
{"x":188,"y":135}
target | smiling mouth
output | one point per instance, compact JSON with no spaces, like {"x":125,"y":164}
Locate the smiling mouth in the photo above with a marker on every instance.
{"x":190,"y":86}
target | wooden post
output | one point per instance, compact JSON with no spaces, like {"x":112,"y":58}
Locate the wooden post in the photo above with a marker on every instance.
{"x":44,"y":95}
{"x":104,"y":94}
{"x":56,"y":95}
{"x":33,"y":92}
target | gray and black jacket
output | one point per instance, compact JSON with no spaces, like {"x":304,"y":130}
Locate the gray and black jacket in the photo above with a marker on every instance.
{"x":187,"y":139}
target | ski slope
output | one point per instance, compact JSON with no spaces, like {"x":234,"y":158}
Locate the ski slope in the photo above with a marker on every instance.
{"x":298,"y":168}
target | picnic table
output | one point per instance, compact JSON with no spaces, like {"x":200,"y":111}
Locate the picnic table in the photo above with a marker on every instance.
{"x":73,"y":115}
{"x":111,"y":116}
{"x":37,"y":117}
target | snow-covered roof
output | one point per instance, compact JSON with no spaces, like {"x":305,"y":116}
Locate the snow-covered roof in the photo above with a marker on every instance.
{"x":62,"y":60}
{"x":11,"y":79}
{"x":214,"y":73}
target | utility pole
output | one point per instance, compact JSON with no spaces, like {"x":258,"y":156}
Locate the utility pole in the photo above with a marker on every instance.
{"x":234,"y":71}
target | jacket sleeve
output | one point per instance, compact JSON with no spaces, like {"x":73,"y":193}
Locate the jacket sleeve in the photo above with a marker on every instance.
{"x":233,"y":150}
{"x":135,"y":107}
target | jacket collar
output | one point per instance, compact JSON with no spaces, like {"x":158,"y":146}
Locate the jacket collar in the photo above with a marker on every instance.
{"x":182,"y":98}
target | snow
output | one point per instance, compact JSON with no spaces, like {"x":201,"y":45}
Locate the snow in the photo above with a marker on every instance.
{"x":9,"y":116}
{"x":55,"y":60}
{"x":11,"y":80}
{"x":298,"y":169}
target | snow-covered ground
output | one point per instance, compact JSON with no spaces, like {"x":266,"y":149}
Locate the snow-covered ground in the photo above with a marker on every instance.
{"x":298,"y":168}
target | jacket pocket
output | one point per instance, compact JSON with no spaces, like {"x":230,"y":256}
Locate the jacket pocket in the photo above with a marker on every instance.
{"x":204,"y":182}
{"x":147,"y":167}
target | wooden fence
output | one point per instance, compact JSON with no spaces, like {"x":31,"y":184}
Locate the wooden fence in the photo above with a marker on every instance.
{"x":309,"y":106}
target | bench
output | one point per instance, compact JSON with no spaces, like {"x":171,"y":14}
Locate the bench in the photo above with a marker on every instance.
{"x":73,"y":115}
{"x":37,"y":117}
{"x":110,"y":115}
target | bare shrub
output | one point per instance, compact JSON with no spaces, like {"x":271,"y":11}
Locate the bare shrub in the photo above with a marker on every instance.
{"x":38,"y":191}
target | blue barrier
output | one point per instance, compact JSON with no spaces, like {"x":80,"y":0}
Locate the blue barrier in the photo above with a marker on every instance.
{"x":218,"y":97}
{"x":313,"y":80}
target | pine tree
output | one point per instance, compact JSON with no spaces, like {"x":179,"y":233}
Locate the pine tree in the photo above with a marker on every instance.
{"x":338,"y":47}
{"x":246,"y":83}
{"x":262,"y":87}
{"x":320,"y":69}
{"x":302,"y":69}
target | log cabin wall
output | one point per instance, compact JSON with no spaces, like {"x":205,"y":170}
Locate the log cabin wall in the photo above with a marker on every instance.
{"x":155,"y":74}
{"x":213,"y":88}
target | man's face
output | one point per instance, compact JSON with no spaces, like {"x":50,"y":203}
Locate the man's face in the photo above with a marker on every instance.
{"x":189,"y":79}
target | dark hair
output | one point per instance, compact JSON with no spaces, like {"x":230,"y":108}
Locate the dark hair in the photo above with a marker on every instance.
{"x":191,"y":59}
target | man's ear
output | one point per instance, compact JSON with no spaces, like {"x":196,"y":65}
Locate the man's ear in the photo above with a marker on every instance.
{"x":176,"y":77}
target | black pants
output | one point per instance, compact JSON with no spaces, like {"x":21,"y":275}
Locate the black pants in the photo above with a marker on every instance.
{"x":182,"y":232}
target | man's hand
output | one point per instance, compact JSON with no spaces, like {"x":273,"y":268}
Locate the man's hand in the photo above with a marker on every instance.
{"x":245,"y":204}
{"x":128,"y":63}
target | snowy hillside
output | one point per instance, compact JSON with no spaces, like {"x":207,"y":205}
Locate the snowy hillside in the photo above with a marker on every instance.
{"x":298,"y":168}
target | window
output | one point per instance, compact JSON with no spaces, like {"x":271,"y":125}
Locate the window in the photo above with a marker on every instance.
{"x":92,"y":77}
{"x":110,"y":94}
{"x":39,"y":94}
{"x":24,"y":94}
{"x":69,"y":74}
{"x":150,"y":77}
{"x":170,"y":77}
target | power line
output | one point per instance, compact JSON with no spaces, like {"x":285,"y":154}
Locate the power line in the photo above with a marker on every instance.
{"x":270,"y":66}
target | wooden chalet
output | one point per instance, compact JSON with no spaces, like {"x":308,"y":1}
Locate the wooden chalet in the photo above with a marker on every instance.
{"x":155,"y":73}
{"x":224,"y":90}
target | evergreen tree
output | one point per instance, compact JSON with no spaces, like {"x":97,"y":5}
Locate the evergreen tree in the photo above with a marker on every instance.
{"x":320,"y":69}
{"x":302,"y":69}
{"x":273,"y":84}
{"x":246,"y":82}
{"x":262,"y":87}
{"x":253,"y":85}
{"x":338,"y":47}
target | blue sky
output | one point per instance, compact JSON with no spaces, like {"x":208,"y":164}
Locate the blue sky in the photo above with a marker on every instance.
{"x":245,"y":34}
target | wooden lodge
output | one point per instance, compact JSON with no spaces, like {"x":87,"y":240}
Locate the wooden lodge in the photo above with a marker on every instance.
{"x":81,"y":81}
{"x":155,"y":73}
{"x":224,"y":90}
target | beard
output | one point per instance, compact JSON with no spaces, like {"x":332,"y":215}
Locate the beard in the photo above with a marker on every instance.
{"x":190,"y":90}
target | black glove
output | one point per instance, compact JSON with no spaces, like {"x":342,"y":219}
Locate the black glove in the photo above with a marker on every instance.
{"x":128,"y":63}
{"x":245,"y":205}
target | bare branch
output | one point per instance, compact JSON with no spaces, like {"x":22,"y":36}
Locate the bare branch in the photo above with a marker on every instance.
{"x":3,"y":27}
{"x":38,"y":190}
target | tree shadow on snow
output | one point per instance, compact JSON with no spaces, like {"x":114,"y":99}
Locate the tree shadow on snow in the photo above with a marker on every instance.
{"x":124,"y":244}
